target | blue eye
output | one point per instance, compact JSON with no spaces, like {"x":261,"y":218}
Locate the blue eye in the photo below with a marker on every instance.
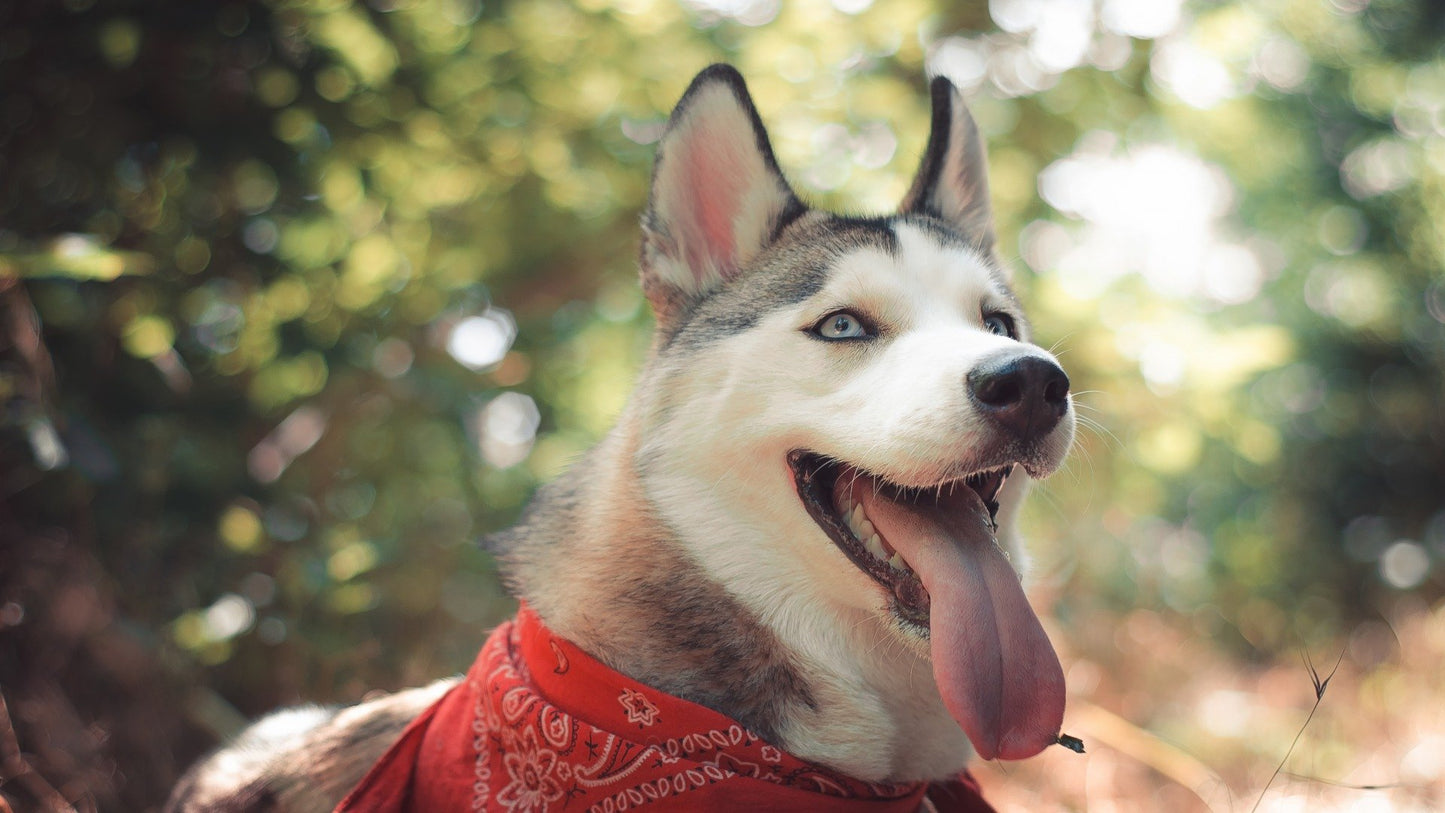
{"x":999,"y":324}
{"x":841,"y":325}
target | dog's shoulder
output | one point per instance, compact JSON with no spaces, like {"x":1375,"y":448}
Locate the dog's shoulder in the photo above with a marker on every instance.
{"x":301,"y":759}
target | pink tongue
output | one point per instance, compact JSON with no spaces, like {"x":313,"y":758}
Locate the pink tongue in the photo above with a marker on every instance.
{"x":997,"y":672}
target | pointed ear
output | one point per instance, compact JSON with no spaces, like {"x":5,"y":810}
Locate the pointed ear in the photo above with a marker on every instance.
{"x":717,"y":196}
{"x":952,"y":181}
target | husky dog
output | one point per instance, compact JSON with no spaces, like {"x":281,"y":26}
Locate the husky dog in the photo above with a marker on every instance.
{"x":802,"y":519}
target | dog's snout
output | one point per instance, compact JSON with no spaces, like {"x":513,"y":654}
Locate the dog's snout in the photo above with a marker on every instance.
{"x":1025,"y":393}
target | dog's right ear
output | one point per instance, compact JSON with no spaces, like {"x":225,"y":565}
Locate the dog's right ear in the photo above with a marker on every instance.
{"x":717,"y":196}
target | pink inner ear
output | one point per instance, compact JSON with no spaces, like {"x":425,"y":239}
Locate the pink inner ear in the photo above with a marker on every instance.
{"x":713,"y":177}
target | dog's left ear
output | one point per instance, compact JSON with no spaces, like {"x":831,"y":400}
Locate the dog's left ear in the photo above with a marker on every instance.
{"x":952,"y":180}
{"x":717,"y":195}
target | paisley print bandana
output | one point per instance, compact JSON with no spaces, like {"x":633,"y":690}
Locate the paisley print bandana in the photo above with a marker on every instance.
{"x":539,"y":725}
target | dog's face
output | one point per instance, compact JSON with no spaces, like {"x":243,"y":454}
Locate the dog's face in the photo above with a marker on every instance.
{"x":840,"y":412}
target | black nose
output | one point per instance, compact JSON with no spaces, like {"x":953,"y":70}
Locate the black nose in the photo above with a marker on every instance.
{"x":1025,"y":393}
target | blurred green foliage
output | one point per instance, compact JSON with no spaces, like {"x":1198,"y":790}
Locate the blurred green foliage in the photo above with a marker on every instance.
{"x":328,"y":286}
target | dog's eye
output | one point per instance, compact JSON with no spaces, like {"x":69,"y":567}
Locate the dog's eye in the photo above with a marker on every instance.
{"x":841,"y":325}
{"x":999,"y":324}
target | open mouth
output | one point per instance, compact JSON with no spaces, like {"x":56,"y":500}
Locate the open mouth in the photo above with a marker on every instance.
{"x":854,"y":508}
{"x":934,"y":549}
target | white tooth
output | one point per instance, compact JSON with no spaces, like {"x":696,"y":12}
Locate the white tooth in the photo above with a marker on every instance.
{"x":875,"y":546}
{"x":897,"y":562}
{"x":858,"y":522}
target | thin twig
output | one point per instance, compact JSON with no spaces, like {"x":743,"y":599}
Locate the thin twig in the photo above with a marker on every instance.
{"x":13,"y":765}
{"x":1320,"y":686}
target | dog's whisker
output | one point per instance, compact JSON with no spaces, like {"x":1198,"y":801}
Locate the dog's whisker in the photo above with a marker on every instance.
{"x":1054,"y":348}
{"x":1100,"y":431}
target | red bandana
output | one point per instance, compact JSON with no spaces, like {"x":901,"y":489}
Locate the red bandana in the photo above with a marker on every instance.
{"x":539,"y":725}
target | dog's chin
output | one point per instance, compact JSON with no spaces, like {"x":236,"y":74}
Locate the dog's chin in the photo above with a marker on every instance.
{"x":830,"y":488}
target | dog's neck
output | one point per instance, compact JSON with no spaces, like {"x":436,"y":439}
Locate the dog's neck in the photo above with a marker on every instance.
{"x":600,"y":568}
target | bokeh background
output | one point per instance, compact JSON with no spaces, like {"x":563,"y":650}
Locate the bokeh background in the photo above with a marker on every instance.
{"x":300,"y":298}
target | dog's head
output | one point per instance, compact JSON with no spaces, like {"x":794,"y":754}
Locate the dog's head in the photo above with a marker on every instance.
{"x":841,"y":411}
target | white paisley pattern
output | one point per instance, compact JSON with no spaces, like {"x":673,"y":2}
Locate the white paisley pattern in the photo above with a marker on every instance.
{"x":637,"y":707}
{"x":534,"y":776}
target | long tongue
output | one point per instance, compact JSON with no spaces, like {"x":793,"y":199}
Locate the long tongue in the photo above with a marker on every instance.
{"x":997,"y":673}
